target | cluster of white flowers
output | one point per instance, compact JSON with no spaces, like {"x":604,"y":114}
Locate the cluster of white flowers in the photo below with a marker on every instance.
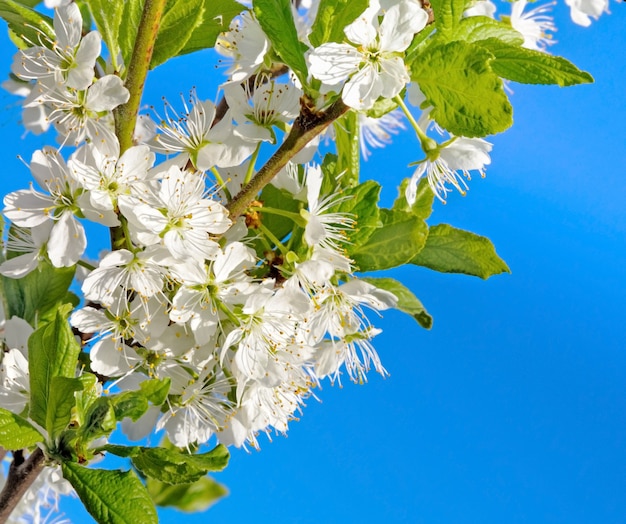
{"x":185,"y":295}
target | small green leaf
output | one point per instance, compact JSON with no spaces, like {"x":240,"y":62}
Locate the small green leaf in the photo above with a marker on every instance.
{"x":347,"y":143}
{"x":16,"y":432}
{"x":400,"y":238}
{"x":276,"y":19}
{"x":39,"y":294}
{"x":527,"y":66}
{"x":423,"y":205}
{"x":331,"y":19}
{"x":195,"y":497}
{"x":60,"y":404}
{"x":180,"y":19}
{"x":26,"y":24}
{"x":86,"y":396}
{"x":156,"y":390}
{"x":361,"y":202}
{"x":448,"y":15}
{"x":478,"y":28}
{"x":111,"y":497}
{"x":122,"y":451}
{"x":108,"y":14}
{"x":216,"y":18}
{"x":407,"y":301}
{"x":178,"y":467}
{"x":52,"y":352}
{"x":129,"y":404}
{"x":467,"y":96}
{"x":451,"y":250}
{"x":100,"y":420}
{"x":276,"y":198}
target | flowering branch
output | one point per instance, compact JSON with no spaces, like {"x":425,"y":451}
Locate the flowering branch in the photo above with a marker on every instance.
{"x":22,"y":474}
{"x":126,"y":115}
{"x":305,"y":128}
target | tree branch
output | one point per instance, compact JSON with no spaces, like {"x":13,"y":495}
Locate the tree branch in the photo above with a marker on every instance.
{"x":305,"y":128}
{"x":126,"y":115}
{"x":22,"y":473}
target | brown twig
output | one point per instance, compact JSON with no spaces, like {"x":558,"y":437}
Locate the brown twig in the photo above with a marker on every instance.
{"x":22,"y":473}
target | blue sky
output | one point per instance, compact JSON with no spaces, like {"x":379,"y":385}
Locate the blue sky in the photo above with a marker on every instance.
{"x":512,"y":409}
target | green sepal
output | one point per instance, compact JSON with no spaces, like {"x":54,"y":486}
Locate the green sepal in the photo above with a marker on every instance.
{"x":111,"y":497}
{"x":452,"y":250}
{"x":276,"y":20}
{"x":52,"y":352}
{"x":332,"y":18}
{"x":192,"y":498}
{"x":16,"y":432}
{"x":400,"y":238}
{"x":528,"y":66}
{"x":468,"y":98}
{"x":407,"y":301}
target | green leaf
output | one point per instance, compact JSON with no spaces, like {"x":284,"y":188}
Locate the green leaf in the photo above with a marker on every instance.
{"x":216,"y":18}
{"x":156,"y":390}
{"x":86,"y":396}
{"x":407,"y":301}
{"x":362,"y":203}
{"x":128,"y":27}
{"x":448,"y":15}
{"x":52,"y":352}
{"x":424,"y":198}
{"x":100,"y":420}
{"x":16,"y":432}
{"x":276,"y":198}
{"x":26,"y":24}
{"x":195,"y":497}
{"x":478,"y":28}
{"x":527,"y":66}
{"x":451,"y":250}
{"x":178,"y":467}
{"x":276,"y":20}
{"x":180,"y":19}
{"x":108,"y":15}
{"x":40,"y":292}
{"x":467,"y":96}
{"x":129,"y":404}
{"x":331,"y":19}
{"x":60,"y":404}
{"x":400,"y":238}
{"x":348,"y":149}
{"x":111,"y":497}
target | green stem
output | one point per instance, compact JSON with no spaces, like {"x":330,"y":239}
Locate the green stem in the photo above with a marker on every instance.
{"x":86,"y":265}
{"x":295,"y":217}
{"x":251,"y":164}
{"x":221,"y":183}
{"x":427,"y":143}
{"x":306,"y":127}
{"x":274,"y":239}
{"x":126,"y":115}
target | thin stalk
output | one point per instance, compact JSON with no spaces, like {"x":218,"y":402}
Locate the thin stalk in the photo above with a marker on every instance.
{"x":427,"y":143}
{"x":294,"y":217}
{"x":281,"y":247}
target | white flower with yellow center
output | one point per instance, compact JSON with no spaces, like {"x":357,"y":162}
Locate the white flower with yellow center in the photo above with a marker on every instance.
{"x":371,"y":66}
